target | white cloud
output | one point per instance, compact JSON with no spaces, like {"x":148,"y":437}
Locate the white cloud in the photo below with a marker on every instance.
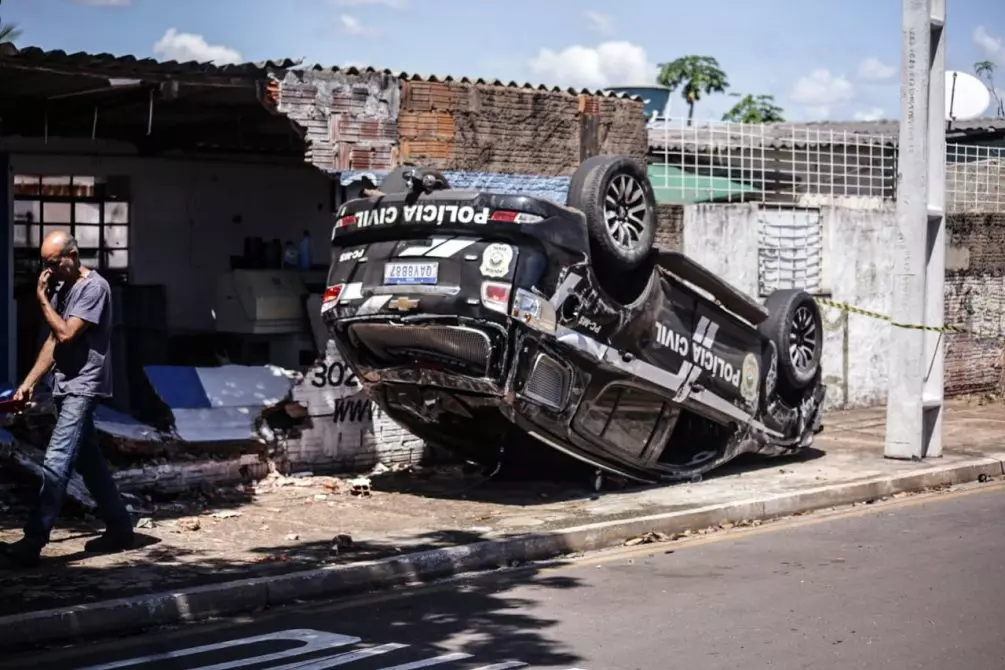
{"x":104,"y":3}
{"x":992,"y":46}
{"x":353,"y":26}
{"x":601,"y":23}
{"x":189,"y":46}
{"x":874,"y":114}
{"x":873,"y":69}
{"x":393,"y":4}
{"x":820,"y":90}
{"x":608,"y":64}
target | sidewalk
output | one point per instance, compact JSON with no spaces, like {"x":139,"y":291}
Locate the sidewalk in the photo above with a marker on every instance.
{"x":296,"y":524}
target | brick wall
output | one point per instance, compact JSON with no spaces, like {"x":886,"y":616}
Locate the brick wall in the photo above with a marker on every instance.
{"x":670,"y":227}
{"x":485,"y":128}
{"x":373,"y":120}
{"x":349,"y":119}
{"x":975,"y":300}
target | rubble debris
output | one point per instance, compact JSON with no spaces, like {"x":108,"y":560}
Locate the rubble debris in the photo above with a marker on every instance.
{"x":30,"y":458}
{"x":360,"y":486}
{"x":168,"y":478}
{"x":292,"y":537}
{"x":648,"y":538}
{"x":226,"y":514}
{"x":189,"y":523}
{"x":145,"y":522}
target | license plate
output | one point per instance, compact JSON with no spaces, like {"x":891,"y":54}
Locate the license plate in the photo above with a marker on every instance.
{"x":411,"y":273}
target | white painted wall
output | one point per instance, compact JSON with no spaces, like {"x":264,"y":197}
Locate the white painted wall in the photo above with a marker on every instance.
{"x":859,"y":246}
{"x":182,"y":213}
{"x":346,"y":431}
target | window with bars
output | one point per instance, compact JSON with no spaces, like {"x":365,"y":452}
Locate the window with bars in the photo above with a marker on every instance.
{"x":95,"y":210}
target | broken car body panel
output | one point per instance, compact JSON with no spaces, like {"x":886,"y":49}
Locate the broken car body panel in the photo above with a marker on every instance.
{"x":464,"y":312}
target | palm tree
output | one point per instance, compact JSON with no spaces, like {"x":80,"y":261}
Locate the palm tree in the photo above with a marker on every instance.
{"x":985,"y":69}
{"x":755,"y":109}
{"x":8,"y":32}
{"x":695,"y":76}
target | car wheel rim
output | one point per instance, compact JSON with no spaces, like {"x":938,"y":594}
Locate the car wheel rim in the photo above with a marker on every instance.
{"x":625,"y":211}
{"x":803,"y":339}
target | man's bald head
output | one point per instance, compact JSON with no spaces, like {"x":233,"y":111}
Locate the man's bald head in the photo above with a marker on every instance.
{"x":61,"y":256}
{"x":58,"y":243}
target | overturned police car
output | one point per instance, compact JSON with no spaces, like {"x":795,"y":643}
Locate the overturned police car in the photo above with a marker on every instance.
{"x":473,"y":317}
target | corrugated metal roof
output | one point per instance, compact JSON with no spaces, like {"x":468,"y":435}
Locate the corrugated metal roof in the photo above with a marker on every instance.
{"x":674,"y":134}
{"x":124,"y":66}
{"x":412,"y":76}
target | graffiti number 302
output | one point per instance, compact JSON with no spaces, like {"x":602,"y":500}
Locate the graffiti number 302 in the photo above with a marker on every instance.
{"x":334,"y":374}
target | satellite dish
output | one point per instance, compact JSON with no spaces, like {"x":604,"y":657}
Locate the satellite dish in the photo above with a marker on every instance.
{"x":966,"y":96}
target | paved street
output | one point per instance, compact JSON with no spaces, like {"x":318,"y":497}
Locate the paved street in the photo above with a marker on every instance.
{"x":916,"y":583}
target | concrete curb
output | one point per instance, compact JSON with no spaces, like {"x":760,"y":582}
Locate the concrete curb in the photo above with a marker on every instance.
{"x":242,"y":596}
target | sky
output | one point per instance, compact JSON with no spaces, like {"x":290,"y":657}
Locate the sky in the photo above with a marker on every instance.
{"x":821,"y":60}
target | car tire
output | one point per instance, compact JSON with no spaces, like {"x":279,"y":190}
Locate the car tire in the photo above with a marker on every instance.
{"x":616,"y":188}
{"x":795,"y":327}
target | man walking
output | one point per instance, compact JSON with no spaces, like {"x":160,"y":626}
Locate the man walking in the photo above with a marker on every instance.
{"x":78,"y":346}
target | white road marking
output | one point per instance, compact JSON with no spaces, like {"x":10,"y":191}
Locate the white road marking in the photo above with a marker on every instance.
{"x":436,"y":660}
{"x":311,"y":641}
{"x":340,"y":659}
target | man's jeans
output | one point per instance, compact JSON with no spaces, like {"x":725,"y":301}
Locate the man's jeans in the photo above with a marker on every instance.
{"x":74,"y":442}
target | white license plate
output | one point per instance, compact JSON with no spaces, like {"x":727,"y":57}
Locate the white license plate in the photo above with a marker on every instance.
{"x":411,"y":273}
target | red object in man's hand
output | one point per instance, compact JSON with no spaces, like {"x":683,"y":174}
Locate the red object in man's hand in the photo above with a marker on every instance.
{"x":12,"y":406}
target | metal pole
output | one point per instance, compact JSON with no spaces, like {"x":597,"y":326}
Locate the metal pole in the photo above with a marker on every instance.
{"x":920,"y":40}
{"x":8,"y":329}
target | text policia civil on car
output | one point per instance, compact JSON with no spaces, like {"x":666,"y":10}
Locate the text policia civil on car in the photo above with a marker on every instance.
{"x":429,"y":214}
{"x":488,"y":322}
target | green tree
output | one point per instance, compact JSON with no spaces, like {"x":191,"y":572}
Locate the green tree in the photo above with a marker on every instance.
{"x":695,"y":76}
{"x":755,"y":109}
{"x":8,"y":32}
{"x":985,"y":70}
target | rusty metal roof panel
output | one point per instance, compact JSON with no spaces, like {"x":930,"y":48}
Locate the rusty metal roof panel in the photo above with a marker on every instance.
{"x":128,"y":65}
{"x":35,"y":57}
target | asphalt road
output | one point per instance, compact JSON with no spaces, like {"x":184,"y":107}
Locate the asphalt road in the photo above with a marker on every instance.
{"x":917,"y":583}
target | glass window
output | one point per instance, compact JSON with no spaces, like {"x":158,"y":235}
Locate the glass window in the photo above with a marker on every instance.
{"x":56,"y":187}
{"x":117,"y":236}
{"x":87,"y":212}
{"x":116,"y":212}
{"x":56,"y":212}
{"x":27,"y":211}
{"x":83,"y":187}
{"x":88,"y":236}
{"x":27,"y":185}
{"x":95,"y":210}
{"x":118,"y":259}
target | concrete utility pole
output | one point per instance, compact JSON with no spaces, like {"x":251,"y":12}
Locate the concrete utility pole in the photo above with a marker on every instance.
{"x":915,"y":396}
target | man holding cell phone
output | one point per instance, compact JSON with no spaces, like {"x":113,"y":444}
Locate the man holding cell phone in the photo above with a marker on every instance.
{"x":76,"y":303}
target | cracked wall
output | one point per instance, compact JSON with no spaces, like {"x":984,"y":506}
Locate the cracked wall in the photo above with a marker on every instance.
{"x":377,"y":121}
{"x":975,"y":300}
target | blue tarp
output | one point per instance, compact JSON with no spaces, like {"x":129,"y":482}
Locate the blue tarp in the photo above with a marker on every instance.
{"x":553,"y":188}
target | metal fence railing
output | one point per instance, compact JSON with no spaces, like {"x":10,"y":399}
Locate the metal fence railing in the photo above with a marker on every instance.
{"x":785,"y":163}
{"x":975,"y":179}
{"x":806,"y":164}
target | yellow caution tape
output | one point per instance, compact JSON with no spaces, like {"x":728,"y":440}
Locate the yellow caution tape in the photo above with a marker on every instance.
{"x":912,"y":326}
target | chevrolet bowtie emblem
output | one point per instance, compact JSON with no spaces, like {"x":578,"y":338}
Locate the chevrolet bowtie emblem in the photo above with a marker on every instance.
{"x":403,"y":304}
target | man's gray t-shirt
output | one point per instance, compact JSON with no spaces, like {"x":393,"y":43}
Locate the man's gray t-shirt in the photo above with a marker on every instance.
{"x":84,"y":364}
